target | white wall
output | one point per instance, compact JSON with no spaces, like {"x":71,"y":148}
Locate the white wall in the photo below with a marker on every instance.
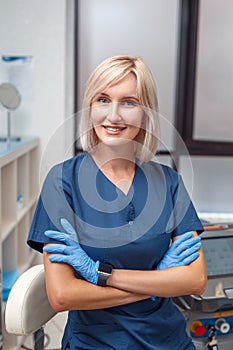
{"x":43,"y":29}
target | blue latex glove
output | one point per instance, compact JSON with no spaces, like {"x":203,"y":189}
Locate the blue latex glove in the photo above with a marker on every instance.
{"x":183,"y":251}
{"x":71,"y":252}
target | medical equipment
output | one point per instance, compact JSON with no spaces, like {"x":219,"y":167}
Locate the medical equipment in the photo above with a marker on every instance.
{"x":210,"y":316}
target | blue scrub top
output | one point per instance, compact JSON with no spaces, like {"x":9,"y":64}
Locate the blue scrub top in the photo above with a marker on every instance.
{"x":129,"y":231}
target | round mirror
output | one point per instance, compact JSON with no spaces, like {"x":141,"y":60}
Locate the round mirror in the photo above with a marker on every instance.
{"x":9,"y":96}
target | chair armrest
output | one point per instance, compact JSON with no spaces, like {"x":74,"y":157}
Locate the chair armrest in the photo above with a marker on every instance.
{"x":28,"y":307}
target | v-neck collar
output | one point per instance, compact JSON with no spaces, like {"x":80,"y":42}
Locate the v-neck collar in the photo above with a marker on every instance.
{"x":129,"y":192}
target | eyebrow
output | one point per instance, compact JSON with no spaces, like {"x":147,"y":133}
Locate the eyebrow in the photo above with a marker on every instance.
{"x":123,"y":98}
{"x":102,"y":94}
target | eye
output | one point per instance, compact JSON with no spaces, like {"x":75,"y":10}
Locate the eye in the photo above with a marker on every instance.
{"x":128,"y":103}
{"x":102,"y":100}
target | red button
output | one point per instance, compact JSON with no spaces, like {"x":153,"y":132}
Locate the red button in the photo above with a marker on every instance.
{"x":200,"y":330}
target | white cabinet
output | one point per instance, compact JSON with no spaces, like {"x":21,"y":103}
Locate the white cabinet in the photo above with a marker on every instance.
{"x":19,"y":187}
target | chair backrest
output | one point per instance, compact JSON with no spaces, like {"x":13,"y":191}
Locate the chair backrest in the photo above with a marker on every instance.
{"x":28,"y":307}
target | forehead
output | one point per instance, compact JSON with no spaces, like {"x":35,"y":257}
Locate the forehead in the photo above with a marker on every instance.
{"x":126,"y":86}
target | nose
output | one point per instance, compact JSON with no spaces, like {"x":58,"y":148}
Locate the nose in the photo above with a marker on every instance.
{"x":113,"y":114}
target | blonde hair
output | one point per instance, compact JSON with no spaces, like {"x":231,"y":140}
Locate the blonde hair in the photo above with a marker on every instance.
{"x":109,"y":73}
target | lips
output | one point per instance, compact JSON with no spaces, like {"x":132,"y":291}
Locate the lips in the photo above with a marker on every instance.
{"x":114,"y":129}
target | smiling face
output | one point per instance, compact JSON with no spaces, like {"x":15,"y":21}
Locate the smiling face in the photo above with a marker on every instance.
{"x":116,"y":113}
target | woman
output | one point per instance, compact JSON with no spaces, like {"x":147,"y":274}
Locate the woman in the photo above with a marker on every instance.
{"x":106,"y":218}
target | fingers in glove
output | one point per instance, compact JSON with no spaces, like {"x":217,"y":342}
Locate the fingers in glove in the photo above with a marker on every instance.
{"x":57,"y":249}
{"x":60,"y":237}
{"x":192,"y":242}
{"x":190,"y":250}
{"x":60,"y":259}
{"x":190,"y":259}
{"x":182,"y":238}
{"x":188,"y":243}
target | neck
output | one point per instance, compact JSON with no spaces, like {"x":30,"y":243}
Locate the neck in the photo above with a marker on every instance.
{"x":117,"y":163}
{"x":114,"y":159}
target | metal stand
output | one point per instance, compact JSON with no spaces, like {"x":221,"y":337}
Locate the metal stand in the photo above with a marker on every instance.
{"x":8,"y":128}
{"x":39,"y":339}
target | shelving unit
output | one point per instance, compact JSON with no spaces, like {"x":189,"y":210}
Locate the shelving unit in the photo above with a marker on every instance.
{"x":19,"y":186}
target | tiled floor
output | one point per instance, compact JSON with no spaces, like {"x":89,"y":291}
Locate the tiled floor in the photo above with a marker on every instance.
{"x":53,"y":333}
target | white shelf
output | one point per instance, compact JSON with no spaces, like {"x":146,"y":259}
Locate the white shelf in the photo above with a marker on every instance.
{"x":18,"y":196}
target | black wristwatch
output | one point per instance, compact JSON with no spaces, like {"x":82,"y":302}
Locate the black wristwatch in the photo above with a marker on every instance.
{"x":104,"y":272}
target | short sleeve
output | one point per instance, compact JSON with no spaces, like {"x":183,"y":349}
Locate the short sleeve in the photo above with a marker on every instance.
{"x":184,"y":216}
{"x":54,"y":203}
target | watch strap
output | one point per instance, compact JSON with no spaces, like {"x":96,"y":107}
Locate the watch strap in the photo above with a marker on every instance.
{"x":104,"y":272}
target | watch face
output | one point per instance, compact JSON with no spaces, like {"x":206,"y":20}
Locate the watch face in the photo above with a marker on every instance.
{"x":105,"y":268}
{"x":104,"y":272}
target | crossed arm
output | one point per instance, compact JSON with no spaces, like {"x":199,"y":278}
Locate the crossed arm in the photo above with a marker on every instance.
{"x":170,"y":282}
{"x":66,"y":292}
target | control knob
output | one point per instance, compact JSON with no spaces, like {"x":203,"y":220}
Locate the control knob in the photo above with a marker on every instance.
{"x":222,"y":325}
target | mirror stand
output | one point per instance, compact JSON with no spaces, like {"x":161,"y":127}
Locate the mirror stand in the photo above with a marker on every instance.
{"x":10,"y":99}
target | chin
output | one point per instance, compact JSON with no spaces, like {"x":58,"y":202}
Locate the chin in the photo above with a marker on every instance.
{"x":116,"y":142}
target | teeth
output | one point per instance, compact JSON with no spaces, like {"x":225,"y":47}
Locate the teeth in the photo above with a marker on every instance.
{"x":114,"y":129}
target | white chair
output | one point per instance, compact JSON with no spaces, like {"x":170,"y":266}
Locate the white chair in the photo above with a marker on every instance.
{"x":28,"y":308}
